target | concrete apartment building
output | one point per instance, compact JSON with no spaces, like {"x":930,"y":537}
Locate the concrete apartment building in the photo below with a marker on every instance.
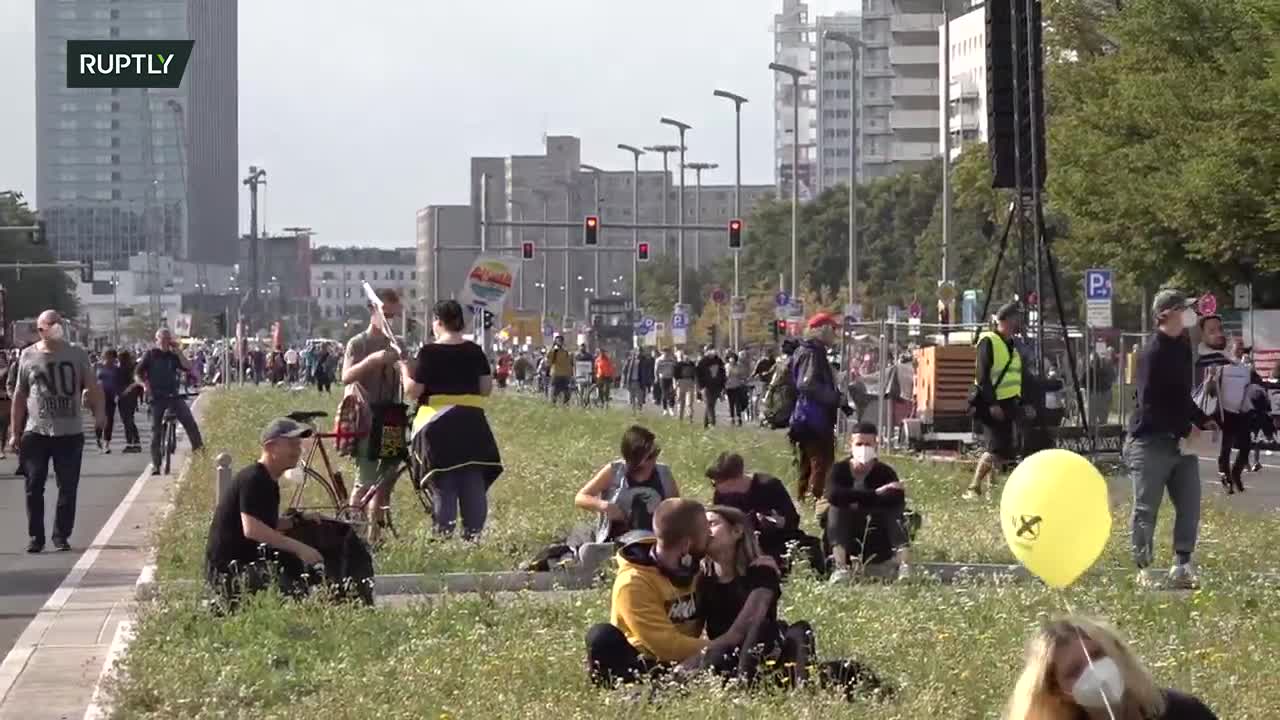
{"x":337,"y":274}
{"x":122,"y":171}
{"x":556,"y":186}
{"x":896,"y":119}
{"x":793,"y":43}
{"x":968,"y":122}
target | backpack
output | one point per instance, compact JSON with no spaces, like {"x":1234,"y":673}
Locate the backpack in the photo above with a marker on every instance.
{"x":779,"y":406}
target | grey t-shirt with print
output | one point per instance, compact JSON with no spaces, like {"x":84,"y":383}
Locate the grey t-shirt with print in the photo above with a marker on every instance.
{"x":378,"y":387}
{"x":53,"y":381}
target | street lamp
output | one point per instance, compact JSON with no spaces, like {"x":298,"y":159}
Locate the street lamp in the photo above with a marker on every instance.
{"x":544,"y":196}
{"x":682,"y":128}
{"x":568,"y":198}
{"x":635,"y":213}
{"x":595,"y":187}
{"x":795,"y":74}
{"x":666,"y":188}
{"x":697,"y":169}
{"x":854,"y":46}
{"x":737,"y":101}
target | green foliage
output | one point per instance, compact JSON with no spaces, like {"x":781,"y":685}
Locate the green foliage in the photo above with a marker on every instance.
{"x":34,"y":291}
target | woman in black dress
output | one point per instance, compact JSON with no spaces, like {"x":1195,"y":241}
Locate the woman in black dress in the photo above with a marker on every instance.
{"x":452,"y":440}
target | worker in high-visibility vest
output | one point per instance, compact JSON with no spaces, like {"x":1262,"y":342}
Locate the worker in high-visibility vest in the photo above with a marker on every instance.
{"x":999,"y":378}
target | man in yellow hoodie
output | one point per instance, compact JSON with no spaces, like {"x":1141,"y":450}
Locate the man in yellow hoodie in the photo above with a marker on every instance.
{"x":654,"y":623}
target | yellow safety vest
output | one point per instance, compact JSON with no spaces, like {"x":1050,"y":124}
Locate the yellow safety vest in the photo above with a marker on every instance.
{"x":1011,"y":385}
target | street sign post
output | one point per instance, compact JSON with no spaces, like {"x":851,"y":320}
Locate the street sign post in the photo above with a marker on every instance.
{"x":915,"y":311}
{"x":1209,"y":304}
{"x":1098,"y":290}
{"x":680,"y":323}
{"x":738,"y":308}
{"x":781,"y":302}
{"x":719,"y":296}
{"x":1243,"y":296}
{"x":796,"y":309}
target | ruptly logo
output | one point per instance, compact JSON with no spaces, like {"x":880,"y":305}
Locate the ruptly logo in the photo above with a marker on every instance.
{"x":127,"y":63}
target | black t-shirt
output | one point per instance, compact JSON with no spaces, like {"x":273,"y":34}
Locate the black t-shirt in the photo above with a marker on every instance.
{"x":163,"y":372}
{"x":1181,"y":706}
{"x":844,"y":490}
{"x":444,"y":369}
{"x":253,"y":492}
{"x":719,"y":602}
{"x":766,"y":496}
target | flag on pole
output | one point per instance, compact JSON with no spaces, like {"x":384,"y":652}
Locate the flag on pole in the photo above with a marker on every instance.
{"x":378,"y":317}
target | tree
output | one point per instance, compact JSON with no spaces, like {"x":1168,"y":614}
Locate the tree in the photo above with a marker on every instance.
{"x":34,"y":291}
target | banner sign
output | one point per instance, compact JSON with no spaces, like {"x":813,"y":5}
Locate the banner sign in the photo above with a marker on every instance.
{"x":488,"y":282}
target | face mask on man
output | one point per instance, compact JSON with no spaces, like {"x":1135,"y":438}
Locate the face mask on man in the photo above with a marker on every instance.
{"x":1189,"y":317}
{"x":863,"y":454}
{"x":1101,"y":679}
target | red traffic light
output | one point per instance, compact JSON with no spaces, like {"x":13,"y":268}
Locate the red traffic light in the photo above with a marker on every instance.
{"x":642,"y":251}
{"x":589,"y":227}
{"x":735,"y":225}
{"x":592,"y":221}
{"x":735,"y":234}
{"x":526,"y":250}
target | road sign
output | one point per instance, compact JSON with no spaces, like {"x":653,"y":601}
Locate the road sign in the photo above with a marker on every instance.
{"x":1099,"y":314}
{"x":1097,"y":284}
{"x":969,"y":307}
{"x":738,"y":308}
{"x":782,"y":299}
{"x":913,"y":327}
{"x":946,"y":291}
{"x":548,"y":329}
{"x":1208,"y":304}
{"x":1243,"y":296}
{"x":796,"y":309}
{"x":915,"y":311}
{"x":719,"y":296}
{"x":647,"y":323}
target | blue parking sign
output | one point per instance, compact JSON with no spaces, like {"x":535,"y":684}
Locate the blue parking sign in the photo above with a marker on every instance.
{"x":1097,"y":284}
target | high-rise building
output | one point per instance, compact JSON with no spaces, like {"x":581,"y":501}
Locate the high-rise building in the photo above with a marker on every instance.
{"x":837,"y":69}
{"x":901,"y":37}
{"x":122,"y":171}
{"x":793,"y":43}
{"x":968,"y":38}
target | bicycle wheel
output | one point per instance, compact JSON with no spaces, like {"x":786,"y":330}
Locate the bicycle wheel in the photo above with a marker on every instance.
{"x":330,"y":497}
{"x":170,"y":435}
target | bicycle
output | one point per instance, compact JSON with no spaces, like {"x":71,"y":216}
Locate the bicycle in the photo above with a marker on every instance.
{"x":586,"y":393}
{"x":335,"y":486}
{"x":169,"y":431}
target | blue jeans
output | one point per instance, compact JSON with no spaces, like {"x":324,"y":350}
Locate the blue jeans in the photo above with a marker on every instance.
{"x":1156,"y":463}
{"x":461,"y":488}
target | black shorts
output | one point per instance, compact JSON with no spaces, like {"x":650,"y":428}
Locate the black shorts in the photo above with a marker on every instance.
{"x":997,"y":435}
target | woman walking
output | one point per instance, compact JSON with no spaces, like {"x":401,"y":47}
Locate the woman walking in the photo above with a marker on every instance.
{"x":127,"y":400}
{"x":451,"y":436}
{"x":735,"y":387}
{"x":108,"y":379}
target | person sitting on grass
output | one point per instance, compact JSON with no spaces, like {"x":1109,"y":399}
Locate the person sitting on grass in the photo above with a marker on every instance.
{"x":764,"y":499}
{"x":1078,"y":669}
{"x":655,"y":627}
{"x":731,"y":572}
{"x":626,"y":491}
{"x":863,"y":511}
{"x":247,"y":549}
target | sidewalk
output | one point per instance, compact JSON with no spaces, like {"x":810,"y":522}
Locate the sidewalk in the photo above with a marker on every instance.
{"x":54,"y":668}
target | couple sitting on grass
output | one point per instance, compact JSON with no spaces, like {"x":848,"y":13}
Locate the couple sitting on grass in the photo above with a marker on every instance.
{"x":861,"y":513}
{"x":702,"y":570}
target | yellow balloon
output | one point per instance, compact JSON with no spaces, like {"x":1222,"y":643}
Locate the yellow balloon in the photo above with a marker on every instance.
{"x":1055,"y":515}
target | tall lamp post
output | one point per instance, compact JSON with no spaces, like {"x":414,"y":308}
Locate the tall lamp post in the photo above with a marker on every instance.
{"x":697,"y":169}
{"x":854,"y":46}
{"x":545,"y":197}
{"x":595,"y":188}
{"x":682,"y":128}
{"x":666,"y":188}
{"x":568,"y":203}
{"x":737,"y":101}
{"x":635,"y":216}
{"x":795,"y":74}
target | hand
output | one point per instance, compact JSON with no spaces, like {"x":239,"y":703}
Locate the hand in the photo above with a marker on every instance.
{"x":614,"y":513}
{"x":310,"y":556}
{"x":821,"y":506}
{"x":997,"y":412}
{"x":388,"y":357}
{"x":12,"y":443}
{"x":886,"y":489}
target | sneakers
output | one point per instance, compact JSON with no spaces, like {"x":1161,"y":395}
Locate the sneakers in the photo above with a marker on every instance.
{"x":1256,"y":467}
{"x":840,"y":576}
{"x":1182,"y":576}
{"x":1145,"y":580}
{"x":61,"y":544}
{"x":1225,"y":479}
{"x":35,"y":546}
{"x":972,"y":494}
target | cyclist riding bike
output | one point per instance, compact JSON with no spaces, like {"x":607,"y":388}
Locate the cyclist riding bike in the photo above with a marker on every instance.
{"x":160,"y":371}
{"x":583,"y":370}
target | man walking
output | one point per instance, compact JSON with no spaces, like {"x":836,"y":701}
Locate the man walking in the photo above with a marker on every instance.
{"x":1000,"y":381}
{"x":813,"y":422}
{"x":560,"y":367}
{"x":1161,"y":422}
{"x":711,"y":379}
{"x":46,"y":426}
{"x":160,"y":371}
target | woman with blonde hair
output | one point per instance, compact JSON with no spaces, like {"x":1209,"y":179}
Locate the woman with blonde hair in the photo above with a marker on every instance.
{"x":1081,"y":669}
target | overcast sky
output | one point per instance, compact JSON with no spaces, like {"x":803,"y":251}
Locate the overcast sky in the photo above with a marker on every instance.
{"x":364,"y":112}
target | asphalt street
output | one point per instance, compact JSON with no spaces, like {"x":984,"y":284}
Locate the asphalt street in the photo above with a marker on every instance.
{"x":29,"y":580}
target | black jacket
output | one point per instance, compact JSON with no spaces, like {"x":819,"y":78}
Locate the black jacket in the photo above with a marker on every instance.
{"x":1164,"y":379}
{"x":710,"y":373}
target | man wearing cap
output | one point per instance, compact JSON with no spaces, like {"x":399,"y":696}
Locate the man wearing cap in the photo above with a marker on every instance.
{"x":1163,"y":418}
{"x":247,"y":547}
{"x":999,"y":380}
{"x":813,"y":421}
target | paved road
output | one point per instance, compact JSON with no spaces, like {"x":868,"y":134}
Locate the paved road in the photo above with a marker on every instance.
{"x":30,"y":579}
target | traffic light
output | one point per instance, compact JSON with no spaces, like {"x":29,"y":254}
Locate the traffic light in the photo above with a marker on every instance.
{"x":220,"y":323}
{"x":782,"y":328}
{"x":488,"y":320}
{"x":773,"y":330}
{"x":526,"y":250}
{"x":589,"y":228}
{"x":642,"y":252}
{"x":86,"y":272}
{"x":735,"y":234}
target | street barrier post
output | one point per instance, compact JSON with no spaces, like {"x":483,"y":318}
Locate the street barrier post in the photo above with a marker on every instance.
{"x":223,"y":472}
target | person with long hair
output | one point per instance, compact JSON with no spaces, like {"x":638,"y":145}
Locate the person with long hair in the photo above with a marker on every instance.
{"x":127,"y":401}
{"x":452,"y":439}
{"x":625,"y":492}
{"x":1081,"y":669}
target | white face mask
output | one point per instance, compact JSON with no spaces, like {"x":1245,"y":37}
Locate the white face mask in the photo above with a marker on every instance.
{"x":1189,"y":318}
{"x":55,"y":332}
{"x":863,"y":454}
{"x":1102,"y":678}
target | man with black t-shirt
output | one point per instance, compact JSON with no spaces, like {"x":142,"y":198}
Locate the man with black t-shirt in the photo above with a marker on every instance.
{"x":863,"y":507}
{"x":160,"y":371}
{"x":767,"y":503}
{"x":247,"y":547}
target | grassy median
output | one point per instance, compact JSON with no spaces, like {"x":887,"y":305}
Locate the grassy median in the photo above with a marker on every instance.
{"x":953,"y":650}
